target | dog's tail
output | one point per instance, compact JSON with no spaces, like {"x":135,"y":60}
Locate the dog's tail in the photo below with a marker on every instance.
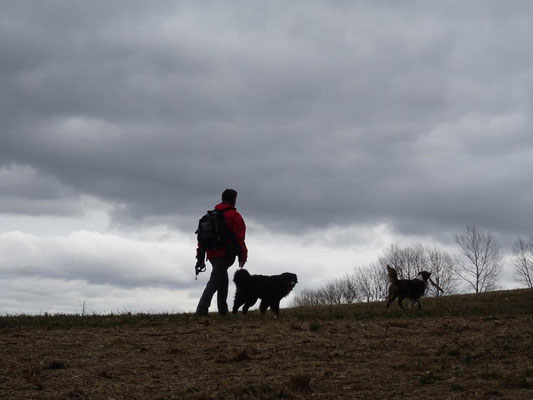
{"x":393,"y":275}
{"x":241,"y":277}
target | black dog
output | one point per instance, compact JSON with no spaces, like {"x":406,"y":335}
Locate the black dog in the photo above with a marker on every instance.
{"x":270,"y":289}
{"x":413,"y":289}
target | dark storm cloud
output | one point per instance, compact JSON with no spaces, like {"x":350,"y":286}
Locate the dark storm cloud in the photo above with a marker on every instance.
{"x":319,"y":114}
{"x":26,"y":191}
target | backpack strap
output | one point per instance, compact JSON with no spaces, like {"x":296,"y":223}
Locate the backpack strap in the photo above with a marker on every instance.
{"x":232,"y":248}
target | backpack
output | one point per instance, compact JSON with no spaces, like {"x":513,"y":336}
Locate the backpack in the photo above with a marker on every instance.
{"x":212,"y":230}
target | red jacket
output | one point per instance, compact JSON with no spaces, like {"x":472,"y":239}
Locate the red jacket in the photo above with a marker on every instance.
{"x":236,"y":224}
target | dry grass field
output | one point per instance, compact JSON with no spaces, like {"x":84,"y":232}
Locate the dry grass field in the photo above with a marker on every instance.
{"x":457,"y":347}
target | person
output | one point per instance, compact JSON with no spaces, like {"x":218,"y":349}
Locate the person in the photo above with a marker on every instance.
{"x":221,"y":258}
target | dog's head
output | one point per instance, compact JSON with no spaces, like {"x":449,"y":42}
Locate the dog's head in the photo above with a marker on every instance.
{"x":423,"y":276}
{"x":290,"y":280}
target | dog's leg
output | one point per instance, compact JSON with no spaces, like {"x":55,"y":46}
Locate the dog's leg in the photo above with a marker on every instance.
{"x":390,"y":297}
{"x":400,"y":299}
{"x":249,"y":303}
{"x":239,"y":301}
{"x":419,"y":304}
{"x":275,"y":306}
{"x":264,"y":306}
{"x":389,"y":302}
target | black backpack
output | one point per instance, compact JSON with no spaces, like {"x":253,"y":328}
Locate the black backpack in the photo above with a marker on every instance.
{"x":212,"y":230}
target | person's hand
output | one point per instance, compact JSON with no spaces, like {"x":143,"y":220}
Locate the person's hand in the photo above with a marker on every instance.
{"x":241,"y":263}
{"x":200,"y":266}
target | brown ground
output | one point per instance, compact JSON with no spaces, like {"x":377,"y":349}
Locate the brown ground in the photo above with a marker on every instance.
{"x":460,"y":347}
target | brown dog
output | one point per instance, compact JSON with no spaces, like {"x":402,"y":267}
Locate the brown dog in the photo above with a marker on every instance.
{"x":413,"y":289}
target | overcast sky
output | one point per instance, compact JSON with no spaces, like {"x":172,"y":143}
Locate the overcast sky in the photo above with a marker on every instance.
{"x":345,"y":126}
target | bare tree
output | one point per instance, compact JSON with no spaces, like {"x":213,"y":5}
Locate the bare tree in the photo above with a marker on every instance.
{"x":338,"y":291}
{"x":480,"y":262}
{"x":331,"y":293}
{"x":523,"y":261}
{"x":306,"y":298}
{"x":372,"y":282}
{"x":393,"y":256}
{"x":416,"y":260}
{"x":442,"y":267}
{"x":407,"y":261}
{"x":348,"y":288}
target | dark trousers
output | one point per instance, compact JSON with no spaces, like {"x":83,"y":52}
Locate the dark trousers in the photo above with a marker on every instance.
{"x":218,"y":282}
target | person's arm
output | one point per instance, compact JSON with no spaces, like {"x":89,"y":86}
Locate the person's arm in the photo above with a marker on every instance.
{"x":239,"y":229}
{"x":200,"y":253}
{"x":200,"y":260}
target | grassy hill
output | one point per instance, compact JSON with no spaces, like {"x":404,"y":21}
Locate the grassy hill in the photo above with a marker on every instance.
{"x":457,"y":347}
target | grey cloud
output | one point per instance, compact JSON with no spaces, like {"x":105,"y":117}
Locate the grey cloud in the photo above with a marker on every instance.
{"x":94,"y":259}
{"x":318,"y":114}
{"x":39,"y":296}
{"x":26,"y":191}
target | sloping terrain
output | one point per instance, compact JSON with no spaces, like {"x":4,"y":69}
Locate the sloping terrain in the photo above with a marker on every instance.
{"x":457,"y":347}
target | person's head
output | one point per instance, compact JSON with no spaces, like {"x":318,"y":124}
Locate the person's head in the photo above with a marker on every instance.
{"x":229,"y":196}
